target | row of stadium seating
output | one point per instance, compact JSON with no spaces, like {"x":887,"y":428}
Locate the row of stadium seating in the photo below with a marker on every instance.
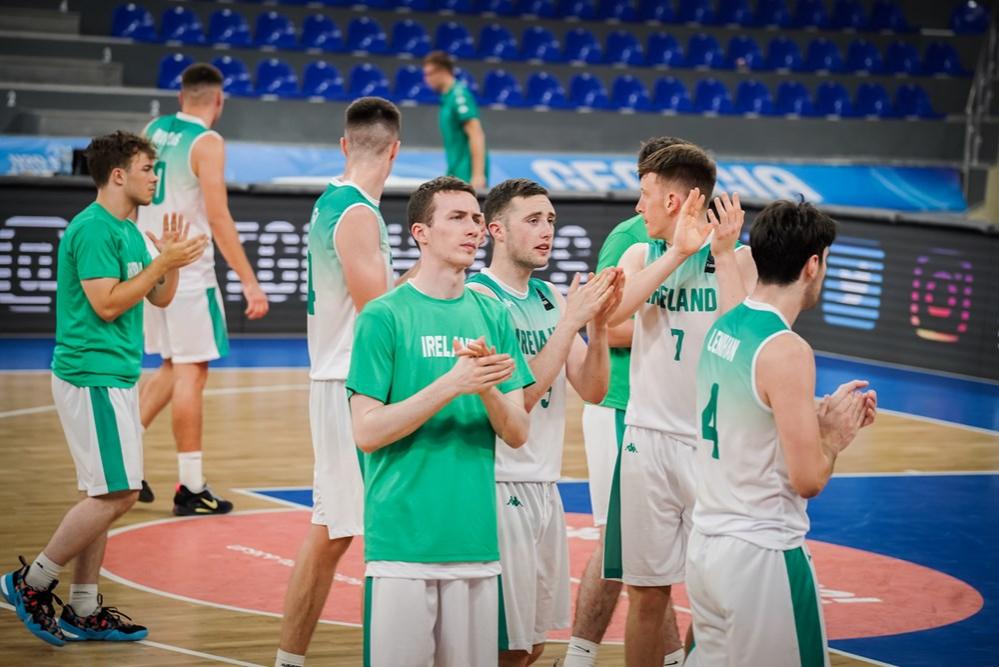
{"x":968,"y":16}
{"x":273,"y":30}
{"x":500,"y":88}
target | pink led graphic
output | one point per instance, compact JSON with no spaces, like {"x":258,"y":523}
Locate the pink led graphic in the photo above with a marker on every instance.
{"x":940,"y":303}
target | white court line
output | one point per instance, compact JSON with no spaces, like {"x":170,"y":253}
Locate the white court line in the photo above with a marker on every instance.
{"x":179,"y":649}
{"x":869,"y":661}
{"x":272,"y":499}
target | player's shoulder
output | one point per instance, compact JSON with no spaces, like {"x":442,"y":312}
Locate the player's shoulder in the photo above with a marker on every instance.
{"x":491,"y":306}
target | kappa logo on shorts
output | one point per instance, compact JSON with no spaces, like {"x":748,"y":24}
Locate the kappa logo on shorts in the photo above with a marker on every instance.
{"x":514,"y":502}
{"x":631,"y":448}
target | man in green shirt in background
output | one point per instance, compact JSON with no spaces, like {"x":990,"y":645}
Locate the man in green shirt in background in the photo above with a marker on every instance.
{"x":603,"y":428}
{"x":436,"y":376}
{"x":461,"y":128}
{"x":104,"y":273}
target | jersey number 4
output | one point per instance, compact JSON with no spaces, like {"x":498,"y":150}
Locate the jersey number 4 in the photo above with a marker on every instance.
{"x":709,"y":420}
{"x":160,"y":170}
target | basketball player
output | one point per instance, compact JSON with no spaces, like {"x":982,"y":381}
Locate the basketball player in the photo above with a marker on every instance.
{"x":534,"y":549}
{"x":763,"y":448}
{"x":603,"y":428}
{"x":350,"y":263}
{"x":104,"y":272}
{"x":460,"y":123}
{"x":677,"y":286}
{"x":436,"y":376}
{"x":192,"y":330}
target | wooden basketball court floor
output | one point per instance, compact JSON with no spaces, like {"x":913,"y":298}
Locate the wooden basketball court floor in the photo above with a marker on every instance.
{"x":257,"y":436}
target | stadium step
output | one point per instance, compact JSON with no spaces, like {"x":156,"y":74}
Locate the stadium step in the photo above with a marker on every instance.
{"x":74,"y":123}
{"x":32,"y":19}
{"x":72,"y":71}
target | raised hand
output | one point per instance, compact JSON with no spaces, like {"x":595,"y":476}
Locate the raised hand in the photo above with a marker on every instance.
{"x":613,"y":299}
{"x":473,"y":374}
{"x":174,"y":246}
{"x":843,"y":413}
{"x":727,"y":225}
{"x":691,"y":227}
{"x":584,"y":302}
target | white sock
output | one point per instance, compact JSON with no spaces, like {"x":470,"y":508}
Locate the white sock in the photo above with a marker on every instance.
{"x":189,"y":465}
{"x":581,"y":653}
{"x":42,"y":572}
{"x":285,"y":659}
{"x":674,"y":659}
{"x":83,"y":598}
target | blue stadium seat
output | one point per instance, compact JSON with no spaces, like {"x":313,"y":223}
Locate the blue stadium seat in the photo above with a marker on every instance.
{"x":133,"y":22}
{"x":367,"y":79}
{"x":373,"y":4}
{"x":711,"y":96}
{"x":276,"y":77}
{"x":657,"y":11}
{"x":235,"y":77}
{"x":911,"y":101}
{"x":319,"y":32}
{"x":454,"y":38}
{"x":823,"y":56}
{"x":793,"y":99}
{"x":942,"y":58}
{"x":624,"y":49}
{"x":753,"y":97}
{"x":466,"y":78}
{"x":501,"y":87}
{"x":810,"y":14}
{"x":276,"y":30}
{"x":629,"y":93}
{"x":743,"y":51}
{"x":783,"y":53}
{"x":410,"y":86}
{"x":662,"y":50}
{"x":887,"y":15}
{"x":496,"y":41}
{"x":180,"y":24}
{"x":544,"y":90}
{"x":734,"y":12}
{"x":171,"y":69}
{"x":587,"y":91}
{"x":695,"y":11}
{"x":862,"y":56}
{"x":538,"y":43}
{"x":970,"y":18}
{"x":619,"y":10}
{"x":703,"y":50}
{"x":408,"y":36}
{"x":902,"y":58}
{"x":365,"y":34}
{"x":498,"y":7}
{"x":772,"y":13}
{"x":671,"y":95}
{"x":832,"y":99}
{"x":582,"y":46}
{"x":416,"y":5}
{"x":228,"y":27}
{"x":457,"y":6}
{"x":872,"y":100}
{"x":320,"y":79}
{"x":542,"y":8}
{"x":848,"y":15}
{"x":584,"y":10}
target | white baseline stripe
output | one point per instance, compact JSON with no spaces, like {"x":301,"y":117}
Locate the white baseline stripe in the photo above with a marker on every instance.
{"x":180,"y":649}
{"x":272,"y":499}
{"x":869,"y":661}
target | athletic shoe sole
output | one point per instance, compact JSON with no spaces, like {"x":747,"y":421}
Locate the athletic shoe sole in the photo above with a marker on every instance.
{"x":10,"y":594}
{"x":75,"y":634}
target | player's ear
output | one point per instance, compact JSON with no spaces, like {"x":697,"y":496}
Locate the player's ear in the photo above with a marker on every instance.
{"x":812,"y":267}
{"x":343,"y":145}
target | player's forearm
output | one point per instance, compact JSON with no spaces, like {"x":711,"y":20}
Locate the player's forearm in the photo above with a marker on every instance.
{"x":162,"y":294}
{"x":641,"y":285}
{"x":732,"y":291}
{"x":545,"y":366}
{"x":509,"y":420}
{"x":124,"y":295}
{"x":477,"y":147}
{"x":593,"y":376}
{"x":227,"y":239}
{"x":383,"y":425}
{"x":621,"y":335}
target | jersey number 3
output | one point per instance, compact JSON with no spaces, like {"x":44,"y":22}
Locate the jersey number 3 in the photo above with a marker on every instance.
{"x":160,"y":170}
{"x":709,"y":420}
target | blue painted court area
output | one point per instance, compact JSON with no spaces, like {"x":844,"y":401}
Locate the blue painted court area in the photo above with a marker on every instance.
{"x":949,"y":523}
{"x":947,"y":398}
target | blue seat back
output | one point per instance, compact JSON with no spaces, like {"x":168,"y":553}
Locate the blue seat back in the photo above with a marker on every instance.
{"x":276,"y":77}
{"x":711,"y":96}
{"x":703,"y":50}
{"x":911,"y":101}
{"x":848,"y":15}
{"x":409,"y":85}
{"x":862,"y":56}
{"x":496,"y":41}
{"x":457,"y":6}
{"x":500,"y":87}
{"x":408,"y":36}
{"x":624,"y":48}
{"x":970,"y":17}
{"x":672,"y":95}
{"x":772,"y":13}
{"x":872,"y":100}
{"x":743,"y":51}
{"x":319,"y":32}
{"x":793,"y":99}
{"x":134,"y":22}
{"x":500,"y":7}
{"x":454,"y":38}
{"x":321,"y":79}
{"x":367,"y":79}
{"x":619,"y":10}
{"x":657,"y":10}
{"x":887,"y":15}
{"x":585,"y":90}
{"x":228,"y":27}
{"x":235,"y":77}
{"x":171,"y":68}
{"x":365,"y":34}
{"x":753,"y":97}
{"x":823,"y":56}
{"x":902,"y":58}
{"x":180,"y":24}
{"x":277,"y":30}
{"x":695,"y":11}
{"x":942,"y":58}
{"x":538,"y":43}
{"x":581,"y":45}
{"x":543,"y":89}
{"x":584,"y":10}
{"x":810,"y":14}
{"x":663,"y":49}
{"x":784,"y":53}
{"x":832,"y":99}
{"x":628,"y":92}
{"x":734,"y":12}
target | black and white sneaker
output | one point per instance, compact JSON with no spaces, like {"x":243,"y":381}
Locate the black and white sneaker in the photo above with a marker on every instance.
{"x":186,"y":503}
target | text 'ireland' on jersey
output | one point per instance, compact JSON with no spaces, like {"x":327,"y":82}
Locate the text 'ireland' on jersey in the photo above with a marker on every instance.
{"x":178,"y":191}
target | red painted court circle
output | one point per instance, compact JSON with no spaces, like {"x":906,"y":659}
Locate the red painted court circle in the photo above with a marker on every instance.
{"x":212,"y":560}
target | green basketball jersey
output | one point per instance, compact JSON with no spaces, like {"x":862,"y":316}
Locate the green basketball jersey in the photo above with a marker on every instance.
{"x":90,"y":352}
{"x":457,"y":108}
{"x":535,"y":315}
{"x":743,"y":485}
{"x":330,"y":307}
{"x":622,"y":237}
{"x":430,"y":497}
{"x":178,"y":191}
